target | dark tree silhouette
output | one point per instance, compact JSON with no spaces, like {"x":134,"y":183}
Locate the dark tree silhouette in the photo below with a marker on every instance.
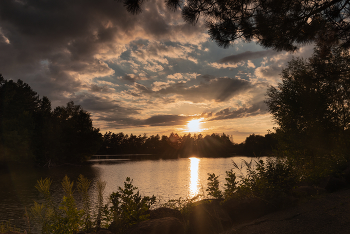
{"x":311,"y":105}
{"x":277,"y":24}
{"x":30,"y":131}
{"x":76,"y":137}
{"x":18,"y":107}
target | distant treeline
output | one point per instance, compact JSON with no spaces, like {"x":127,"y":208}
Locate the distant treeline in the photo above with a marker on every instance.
{"x":213,"y":145}
{"x":30,"y":130}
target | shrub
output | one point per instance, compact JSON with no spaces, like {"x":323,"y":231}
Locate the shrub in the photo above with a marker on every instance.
{"x":64,"y":218}
{"x":213,"y":186}
{"x":129,"y":208}
{"x":267,"y":180}
{"x":231,"y":184}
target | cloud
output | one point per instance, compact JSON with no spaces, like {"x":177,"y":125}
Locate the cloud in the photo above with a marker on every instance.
{"x":166,"y":120}
{"x":133,"y":78}
{"x":258,"y":108}
{"x":248,"y":55}
{"x":224,"y":65}
{"x":79,"y":40}
{"x":218,"y":90}
{"x":271,"y":68}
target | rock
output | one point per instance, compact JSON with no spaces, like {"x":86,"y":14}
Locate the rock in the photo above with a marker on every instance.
{"x":208,"y":218}
{"x":166,"y":225}
{"x":101,"y":231}
{"x":104,"y":231}
{"x":333,"y":184}
{"x":306,"y":191}
{"x":163,"y":212}
{"x":247,"y":209}
{"x":346,"y":174}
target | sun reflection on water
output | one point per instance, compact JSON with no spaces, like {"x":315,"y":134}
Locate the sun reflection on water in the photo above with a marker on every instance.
{"x":194,"y":188}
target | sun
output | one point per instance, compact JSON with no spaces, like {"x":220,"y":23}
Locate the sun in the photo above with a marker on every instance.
{"x":194,"y":125}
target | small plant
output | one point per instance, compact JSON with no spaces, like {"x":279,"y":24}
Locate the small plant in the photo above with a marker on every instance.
{"x":83,"y":187}
{"x":213,"y":186}
{"x":6,"y":227}
{"x":128,"y":207}
{"x":64,"y":217}
{"x":231,"y":184}
{"x":102,"y":217}
{"x":266,"y":180}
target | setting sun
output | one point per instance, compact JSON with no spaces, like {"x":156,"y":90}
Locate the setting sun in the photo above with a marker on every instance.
{"x":194,"y":125}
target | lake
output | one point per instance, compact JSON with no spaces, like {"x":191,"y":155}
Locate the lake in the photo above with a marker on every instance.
{"x":166,"y":179}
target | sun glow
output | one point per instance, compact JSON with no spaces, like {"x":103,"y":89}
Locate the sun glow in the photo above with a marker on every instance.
{"x":194,"y":125}
{"x":194,"y":166}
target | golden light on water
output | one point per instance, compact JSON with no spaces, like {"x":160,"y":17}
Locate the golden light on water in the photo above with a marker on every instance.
{"x":194,"y":166}
{"x":194,"y":125}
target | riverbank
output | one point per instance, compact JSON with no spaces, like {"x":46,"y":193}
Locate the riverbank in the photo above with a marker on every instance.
{"x":327,"y":213}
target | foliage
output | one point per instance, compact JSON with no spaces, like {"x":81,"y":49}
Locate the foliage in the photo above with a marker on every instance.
{"x":83,"y":187}
{"x":128,"y":207}
{"x":102,"y":213}
{"x":174,"y":145}
{"x":231,"y":184}
{"x":267,"y":180}
{"x":6,"y":227}
{"x":311,"y":107}
{"x":278,"y":24}
{"x":29,"y":128}
{"x":64,"y":217}
{"x":213,"y":186}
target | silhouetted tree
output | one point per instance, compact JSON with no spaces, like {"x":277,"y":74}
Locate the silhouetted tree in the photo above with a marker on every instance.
{"x":30,"y":131}
{"x":311,"y":105}
{"x":278,"y":24}
{"x":18,"y":105}
{"x":76,"y":137}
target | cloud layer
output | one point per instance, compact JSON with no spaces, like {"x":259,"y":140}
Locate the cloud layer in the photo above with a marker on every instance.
{"x":136,"y":72}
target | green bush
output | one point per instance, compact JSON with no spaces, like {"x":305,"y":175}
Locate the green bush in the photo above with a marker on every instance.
{"x":62,"y":218}
{"x":213,"y":186}
{"x":129,"y":208}
{"x":267,"y":180}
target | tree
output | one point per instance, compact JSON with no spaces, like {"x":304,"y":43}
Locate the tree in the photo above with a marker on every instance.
{"x":18,"y":106}
{"x":76,"y":138}
{"x":311,"y":105}
{"x":277,"y":24}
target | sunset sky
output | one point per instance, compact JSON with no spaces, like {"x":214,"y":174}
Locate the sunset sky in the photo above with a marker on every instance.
{"x":150,"y":73}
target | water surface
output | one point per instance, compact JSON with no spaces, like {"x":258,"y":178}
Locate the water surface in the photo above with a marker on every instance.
{"x":166,"y":179}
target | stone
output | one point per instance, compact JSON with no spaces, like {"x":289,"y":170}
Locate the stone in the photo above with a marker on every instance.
{"x":346,"y":174}
{"x":208,"y":218}
{"x":333,"y":184}
{"x":163,"y":212}
{"x":243,"y":210}
{"x":306,"y":191}
{"x":166,"y":225}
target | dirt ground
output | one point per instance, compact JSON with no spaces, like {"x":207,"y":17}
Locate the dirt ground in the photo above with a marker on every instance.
{"x":325,"y":214}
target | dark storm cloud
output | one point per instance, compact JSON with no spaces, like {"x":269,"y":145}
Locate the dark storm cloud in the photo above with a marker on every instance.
{"x":218,"y":89}
{"x":167,"y":120}
{"x":255,"y":109}
{"x":60,"y":40}
{"x":248,"y":55}
{"x":118,"y":116}
{"x":105,"y":107}
{"x":115,"y":121}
